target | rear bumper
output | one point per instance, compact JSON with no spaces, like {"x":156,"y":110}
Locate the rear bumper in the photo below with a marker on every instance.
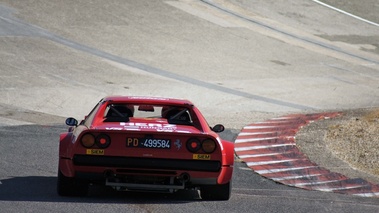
{"x":130,"y":172}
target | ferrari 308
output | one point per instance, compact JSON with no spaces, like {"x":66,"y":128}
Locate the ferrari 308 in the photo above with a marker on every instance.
{"x":145,"y":144}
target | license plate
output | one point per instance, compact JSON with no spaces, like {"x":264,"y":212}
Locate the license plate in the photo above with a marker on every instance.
{"x":148,"y":143}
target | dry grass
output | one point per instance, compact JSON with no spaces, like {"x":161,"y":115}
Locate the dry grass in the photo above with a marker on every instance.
{"x":356,"y":141}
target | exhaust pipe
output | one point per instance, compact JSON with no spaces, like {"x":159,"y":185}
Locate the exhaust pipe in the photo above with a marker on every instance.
{"x":184,"y":178}
{"x":108,"y":174}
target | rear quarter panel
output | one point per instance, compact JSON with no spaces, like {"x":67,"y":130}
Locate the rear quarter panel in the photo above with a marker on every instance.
{"x":228,"y":154}
{"x":68,"y":140}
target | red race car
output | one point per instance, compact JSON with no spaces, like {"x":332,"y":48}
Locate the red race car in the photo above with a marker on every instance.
{"x":145,"y":144}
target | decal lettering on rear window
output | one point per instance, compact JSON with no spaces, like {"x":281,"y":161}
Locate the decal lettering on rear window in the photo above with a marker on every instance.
{"x":150,"y":126}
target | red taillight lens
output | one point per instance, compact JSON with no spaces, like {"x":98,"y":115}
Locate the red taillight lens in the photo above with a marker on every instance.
{"x":193,"y":145}
{"x":208,"y":146}
{"x":103,"y":141}
{"x":88,"y":140}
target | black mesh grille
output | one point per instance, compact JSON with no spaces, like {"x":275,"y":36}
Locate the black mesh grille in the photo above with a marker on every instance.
{"x":147,"y":163}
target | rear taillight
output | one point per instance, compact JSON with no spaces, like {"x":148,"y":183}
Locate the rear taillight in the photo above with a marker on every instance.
{"x":208,"y":146}
{"x":87,"y":140}
{"x":103,"y":141}
{"x":193,"y":145}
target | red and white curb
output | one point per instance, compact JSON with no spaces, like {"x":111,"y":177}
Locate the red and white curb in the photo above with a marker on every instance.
{"x":269,"y":148}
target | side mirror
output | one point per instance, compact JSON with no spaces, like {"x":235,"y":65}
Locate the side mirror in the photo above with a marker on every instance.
{"x":218,"y":128}
{"x":71,"y":122}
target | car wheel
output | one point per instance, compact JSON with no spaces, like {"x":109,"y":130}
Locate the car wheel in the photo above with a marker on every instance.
{"x":216,"y":192}
{"x":68,"y":186}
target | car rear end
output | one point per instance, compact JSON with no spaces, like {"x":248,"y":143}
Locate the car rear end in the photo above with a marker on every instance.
{"x":159,"y":145}
{"x":148,"y":160}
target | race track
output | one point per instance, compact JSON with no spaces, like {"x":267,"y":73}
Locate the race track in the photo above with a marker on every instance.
{"x":239,"y":61}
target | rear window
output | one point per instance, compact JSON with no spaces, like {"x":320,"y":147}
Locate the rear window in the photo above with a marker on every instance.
{"x":122,"y":113}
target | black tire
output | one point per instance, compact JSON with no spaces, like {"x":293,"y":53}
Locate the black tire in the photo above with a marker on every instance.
{"x":68,"y":186}
{"x":216,"y":192}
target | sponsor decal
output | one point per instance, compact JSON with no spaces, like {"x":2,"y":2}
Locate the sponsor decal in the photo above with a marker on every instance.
{"x":149,"y":126}
{"x":95,"y":151}
{"x":113,"y":128}
{"x":201,"y":156}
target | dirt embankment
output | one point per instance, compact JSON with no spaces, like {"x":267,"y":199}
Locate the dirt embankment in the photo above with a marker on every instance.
{"x":356,"y":141}
{"x":348,"y":144}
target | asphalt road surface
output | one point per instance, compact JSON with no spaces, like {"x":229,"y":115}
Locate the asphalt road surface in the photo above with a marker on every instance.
{"x":28,"y":184}
{"x":238,"y":61}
